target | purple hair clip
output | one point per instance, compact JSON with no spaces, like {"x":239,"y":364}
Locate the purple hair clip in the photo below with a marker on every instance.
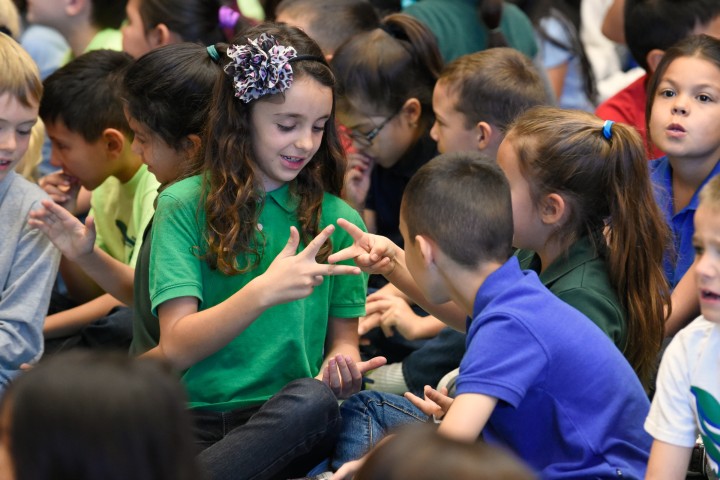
{"x":227,"y":17}
{"x":260,"y":67}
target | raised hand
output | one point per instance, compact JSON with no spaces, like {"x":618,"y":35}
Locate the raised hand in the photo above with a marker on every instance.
{"x":62,"y":188}
{"x":344,"y":376}
{"x":434,"y":404}
{"x":372,"y":253}
{"x":292,"y":276}
{"x":64,"y":230}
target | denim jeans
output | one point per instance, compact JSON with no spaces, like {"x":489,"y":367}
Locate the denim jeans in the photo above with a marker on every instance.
{"x":283,"y":438}
{"x":366,"y":418}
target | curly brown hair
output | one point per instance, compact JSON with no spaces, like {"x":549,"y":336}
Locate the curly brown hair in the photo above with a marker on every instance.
{"x":232,"y":189}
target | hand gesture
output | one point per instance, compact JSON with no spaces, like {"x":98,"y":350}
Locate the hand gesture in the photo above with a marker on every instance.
{"x":62,"y":188}
{"x":292,"y":276}
{"x":372,"y":253}
{"x":434,"y":404}
{"x":64,"y":230}
{"x":357,"y":179}
{"x":389,"y":313}
{"x":344,"y":376}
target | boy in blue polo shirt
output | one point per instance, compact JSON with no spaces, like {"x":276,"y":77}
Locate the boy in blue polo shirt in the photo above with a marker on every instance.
{"x":537,"y":377}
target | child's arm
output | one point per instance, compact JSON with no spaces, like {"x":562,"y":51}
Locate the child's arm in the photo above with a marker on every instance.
{"x":668,"y":462}
{"x":70,"y":321}
{"x":379,"y":255}
{"x":188,"y":335}
{"x":685,"y":303}
{"x":77,"y":243}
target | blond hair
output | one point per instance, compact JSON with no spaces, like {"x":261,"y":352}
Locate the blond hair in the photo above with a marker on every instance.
{"x":27,"y":166}
{"x":21,"y":77}
{"x":710,"y":193}
{"x":10,"y":18}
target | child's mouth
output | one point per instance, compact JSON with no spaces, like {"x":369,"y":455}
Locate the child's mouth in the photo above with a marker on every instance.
{"x":708,"y":295}
{"x":292,"y":159}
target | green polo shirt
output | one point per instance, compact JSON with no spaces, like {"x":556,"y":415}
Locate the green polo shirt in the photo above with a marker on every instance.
{"x":287,"y":341}
{"x":459,"y":31}
{"x":580,"y":278}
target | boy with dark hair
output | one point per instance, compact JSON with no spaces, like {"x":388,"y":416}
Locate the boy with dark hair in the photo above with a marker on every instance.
{"x":526,"y":382}
{"x":651,"y":27}
{"x":85,"y":24}
{"x":91,"y":141}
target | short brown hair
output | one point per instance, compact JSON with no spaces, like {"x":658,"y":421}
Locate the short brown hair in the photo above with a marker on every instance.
{"x":494,"y":85}
{"x":462,"y":201}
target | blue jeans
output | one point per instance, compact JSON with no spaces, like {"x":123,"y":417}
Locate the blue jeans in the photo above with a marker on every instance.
{"x":366,"y":418}
{"x":283,"y":438}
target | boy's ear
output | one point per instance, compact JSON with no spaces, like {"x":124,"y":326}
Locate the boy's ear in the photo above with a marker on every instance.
{"x":653,"y":58}
{"x":427,"y":249}
{"x":411,"y":111}
{"x":158,"y":36}
{"x":485,"y":135}
{"x":553,"y":209}
{"x":114,"y":141}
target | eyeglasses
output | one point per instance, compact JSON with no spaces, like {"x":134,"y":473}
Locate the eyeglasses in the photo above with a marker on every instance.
{"x":366,"y":139}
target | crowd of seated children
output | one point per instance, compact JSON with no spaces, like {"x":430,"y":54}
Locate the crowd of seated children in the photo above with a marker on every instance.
{"x":226,"y":205}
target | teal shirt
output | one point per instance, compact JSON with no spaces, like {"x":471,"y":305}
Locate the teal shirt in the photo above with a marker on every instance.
{"x":284,"y":343}
{"x":459,"y":31}
{"x":581,"y":280}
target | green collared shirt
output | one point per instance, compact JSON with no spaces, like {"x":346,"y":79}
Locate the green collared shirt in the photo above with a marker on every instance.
{"x":580,"y":278}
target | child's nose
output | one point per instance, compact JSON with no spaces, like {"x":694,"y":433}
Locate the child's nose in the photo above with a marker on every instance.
{"x":8,"y":142}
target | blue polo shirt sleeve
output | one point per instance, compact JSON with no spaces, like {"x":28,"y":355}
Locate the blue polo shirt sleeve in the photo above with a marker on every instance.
{"x":503,"y":360}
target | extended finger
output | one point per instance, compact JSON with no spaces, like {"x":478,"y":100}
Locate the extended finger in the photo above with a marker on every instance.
{"x":443,"y":401}
{"x":316,"y":243}
{"x":328,"y":269}
{"x":355,"y":232}
{"x":333,"y":376}
{"x":347,"y":253}
{"x":292,"y":244}
{"x":427,"y":407}
{"x":371,"y":364}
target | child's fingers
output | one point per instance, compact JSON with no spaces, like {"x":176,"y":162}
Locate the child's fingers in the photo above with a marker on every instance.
{"x":316,"y":243}
{"x":371,"y":364}
{"x":368,"y":322}
{"x":355,"y":232}
{"x":291,"y":246}
{"x":443,"y":401}
{"x":345,"y":254}
{"x":329,"y":269}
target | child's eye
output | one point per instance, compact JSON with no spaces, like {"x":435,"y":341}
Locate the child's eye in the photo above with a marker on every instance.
{"x":699,"y":250}
{"x":321,"y":128}
{"x":704,"y":98}
{"x":667,"y":93}
{"x":285,"y":128}
{"x":24,"y":133}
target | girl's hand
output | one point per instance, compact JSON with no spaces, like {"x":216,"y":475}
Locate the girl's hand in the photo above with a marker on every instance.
{"x":344,"y":376}
{"x":292,"y":276}
{"x":435,"y":403}
{"x":372,"y":253}
{"x":64,"y":230}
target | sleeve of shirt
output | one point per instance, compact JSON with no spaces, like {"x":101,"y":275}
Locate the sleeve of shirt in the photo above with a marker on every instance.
{"x":348,"y":292}
{"x":503,"y":360}
{"x":24,"y":301}
{"x":175,"y":264}
{"x":554,"y":55}
{"x":671,"y":418}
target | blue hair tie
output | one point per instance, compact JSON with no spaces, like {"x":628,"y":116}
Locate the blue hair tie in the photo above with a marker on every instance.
{"x":212,"y":51}
{"x":607,"y":129}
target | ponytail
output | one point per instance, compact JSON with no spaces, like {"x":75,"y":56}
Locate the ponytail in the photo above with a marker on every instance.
{"x":601,"y":172}
{"x":387,"y":66}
